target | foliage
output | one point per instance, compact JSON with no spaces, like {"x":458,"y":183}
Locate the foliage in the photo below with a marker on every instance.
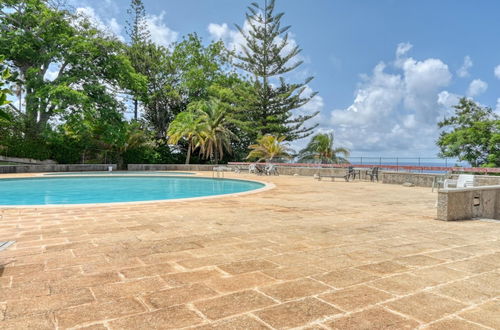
{"x":267,"y":54}
{"x":472,"y":134}
{"x":321,"y":149}
{"x":4,"y":92}
{"x":268,"y":148}
{"x":88,"y":68}
{"x":186,"y":125}
{"x":214,"y":135}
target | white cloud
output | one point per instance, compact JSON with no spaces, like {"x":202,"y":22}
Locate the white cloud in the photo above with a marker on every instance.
{"x":109,"y":26}
{"x":160,"y":32}
{"x":396,"y":110}
{"x":403,"y":48}
{"x":476,"y":87}
{"x":463,"y":71}
{"x":497,"y":71}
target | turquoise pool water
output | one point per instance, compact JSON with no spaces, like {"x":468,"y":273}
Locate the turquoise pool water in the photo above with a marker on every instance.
{"x":112,"y":189}
{"x":118,"y":173}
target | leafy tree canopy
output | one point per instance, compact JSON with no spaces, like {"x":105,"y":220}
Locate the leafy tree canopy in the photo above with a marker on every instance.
{"x":472,"y":134}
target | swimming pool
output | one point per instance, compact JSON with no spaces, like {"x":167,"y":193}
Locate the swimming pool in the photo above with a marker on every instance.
{"x":118,"y":173}
{"x":113,"y":189}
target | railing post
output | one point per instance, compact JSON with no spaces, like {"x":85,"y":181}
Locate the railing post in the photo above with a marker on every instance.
{"x":361,"y":158}
{"x":397,"y":164}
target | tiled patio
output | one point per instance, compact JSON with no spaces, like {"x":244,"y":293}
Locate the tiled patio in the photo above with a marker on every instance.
{"x":307,"y":254}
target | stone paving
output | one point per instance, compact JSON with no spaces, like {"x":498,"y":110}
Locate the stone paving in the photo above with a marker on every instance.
{"x":307,"y":254}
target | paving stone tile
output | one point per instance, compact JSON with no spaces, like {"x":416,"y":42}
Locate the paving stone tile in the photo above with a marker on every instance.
{"x":356,"y":297}
{"x":425,"y":306}
{"x":384,"y":268}
{"x":95,"y":312}
{"x":296,"y":313}
{"x":487,"y":314}
{"x":194,"y":263}
{"x":418,"y":260}
{"x":402,"y":283}
{"x":471,"y":266}
{"x":145,"y":271}
{"x":44,"y":304}
{"x":440,"y":274}
{"x":449,"y":255}
{"x":239,"y":282}
{"x":39,"y":322}
{"x":183,"y":278}
{"x":345,"y":277}
{"x":455,"y":324}
{"x":83,"y":281}
{"x":240,"y":267}
{"x":25,"y":289}
{"x":167,"y":318}
{"x":239,"y":322}
{"x":372,"y":319}
{"x":180,"y":295}
{"x":467,"y":291}
{"x":113,"y":291}
{"x":294,"y":289}
{"x":292,"y":272}
{"x":232,"y":304}
{"x":22,"y":269}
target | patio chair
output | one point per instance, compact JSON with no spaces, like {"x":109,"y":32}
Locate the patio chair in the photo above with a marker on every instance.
{"x":373,"y":174}
{"x":463,"y":181}
{"x":439,"y":180}
{"x":271,"y":169}
{"x":252,"y":168}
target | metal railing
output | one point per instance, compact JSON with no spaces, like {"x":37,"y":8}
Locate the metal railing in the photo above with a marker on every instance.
{"x":408,"y":168}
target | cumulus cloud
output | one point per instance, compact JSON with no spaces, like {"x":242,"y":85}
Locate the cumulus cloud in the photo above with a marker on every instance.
{"x":463,"y":71}
{"x":396,"y":107}
{"x":160,"y":32}
{"x":477,"y":87}
{"x":497,"y":71}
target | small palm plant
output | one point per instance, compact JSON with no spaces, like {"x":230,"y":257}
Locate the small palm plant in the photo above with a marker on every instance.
{"x":185,"y":125}
{"x":321,"y":149}
{"x":269,"y":147}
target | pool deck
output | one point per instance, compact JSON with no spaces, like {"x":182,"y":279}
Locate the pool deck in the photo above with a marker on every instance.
{"x":306,"y":254}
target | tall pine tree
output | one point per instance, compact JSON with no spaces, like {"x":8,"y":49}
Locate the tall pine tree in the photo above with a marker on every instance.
{"x":140,"y":36}
{"x":267,"y":55}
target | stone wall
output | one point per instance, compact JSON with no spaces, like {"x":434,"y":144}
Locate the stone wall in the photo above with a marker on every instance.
{"x":464,"y":204}
{"x":55,"y":168}
{"x":169,"y":167}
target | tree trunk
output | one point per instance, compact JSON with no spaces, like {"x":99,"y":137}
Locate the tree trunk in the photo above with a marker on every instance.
{"x":188,"y":156}
{"x":136,"y":105}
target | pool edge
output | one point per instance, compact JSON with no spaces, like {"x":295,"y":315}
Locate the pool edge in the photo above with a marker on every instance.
{"x":267,"y":186}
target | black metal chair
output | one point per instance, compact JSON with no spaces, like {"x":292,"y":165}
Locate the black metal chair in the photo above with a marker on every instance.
{"x":373,"y":174}
{"x":350,"y":173}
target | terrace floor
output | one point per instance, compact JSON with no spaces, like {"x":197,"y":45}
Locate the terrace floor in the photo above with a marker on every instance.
{"x":307,"y":254}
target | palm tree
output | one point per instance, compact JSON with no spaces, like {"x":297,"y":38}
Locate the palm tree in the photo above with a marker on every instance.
{"x":185,"y":125}
{"x":214,"y":135}
{"x":321,"y":148}
{"x":269,"y":147}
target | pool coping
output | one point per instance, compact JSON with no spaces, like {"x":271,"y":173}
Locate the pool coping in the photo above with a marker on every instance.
{"x":267,"y":186}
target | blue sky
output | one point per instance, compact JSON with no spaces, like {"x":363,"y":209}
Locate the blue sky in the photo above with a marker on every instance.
{"x":386,"y":70}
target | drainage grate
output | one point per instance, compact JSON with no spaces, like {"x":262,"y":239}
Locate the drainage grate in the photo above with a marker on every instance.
{"x":4,"y":245}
